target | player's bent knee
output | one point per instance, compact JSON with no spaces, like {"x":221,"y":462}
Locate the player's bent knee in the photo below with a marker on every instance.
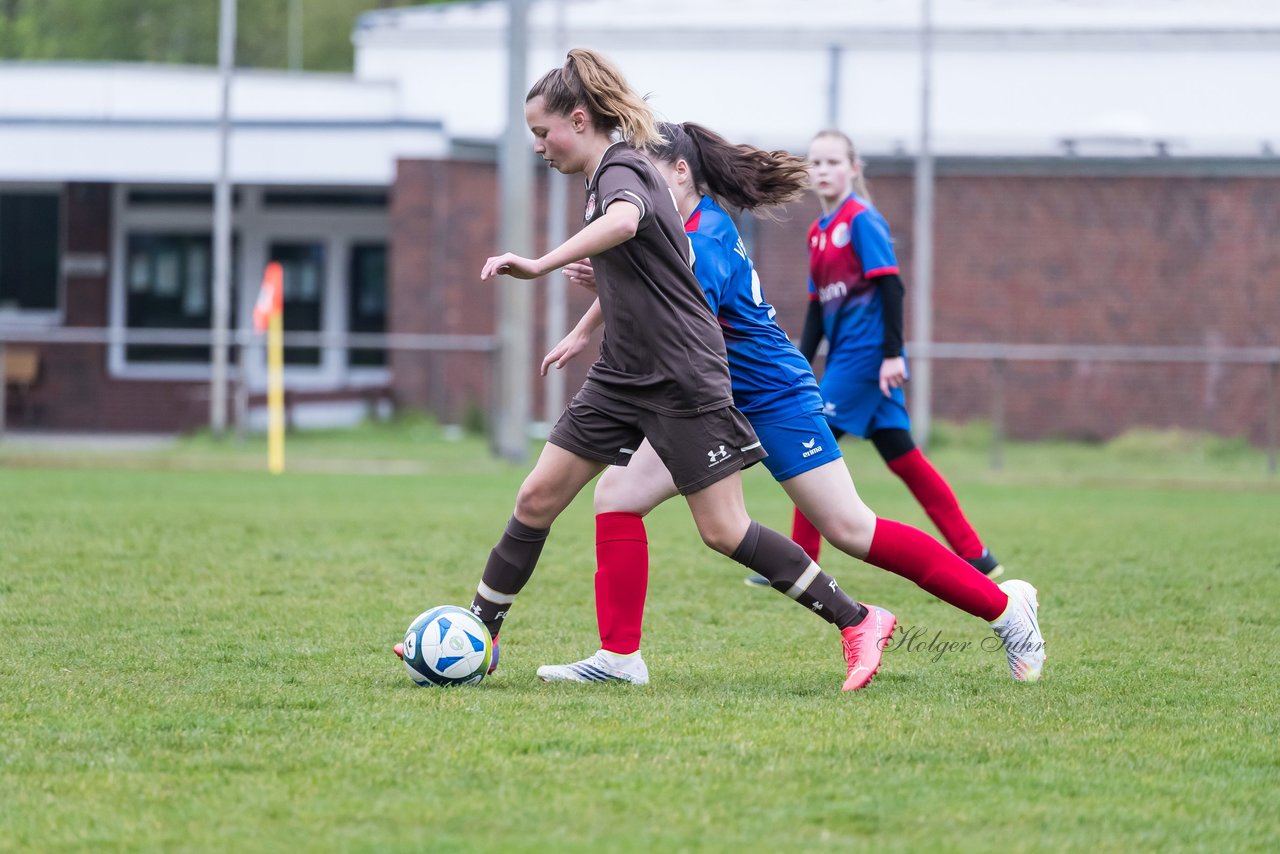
{"x":723,"y":537}
{"x":536,"y":505}
{"x":613,"y":496}
{"x":849,"y":526}
{"x":851,"y":535}
{"x":719,"y":541}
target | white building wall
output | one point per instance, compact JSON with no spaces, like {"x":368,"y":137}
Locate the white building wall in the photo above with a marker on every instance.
{"x":1011,"y":78}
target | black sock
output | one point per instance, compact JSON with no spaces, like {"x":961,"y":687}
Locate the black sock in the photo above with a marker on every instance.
{"x":790,"y":571}
{"x":510,"y":565}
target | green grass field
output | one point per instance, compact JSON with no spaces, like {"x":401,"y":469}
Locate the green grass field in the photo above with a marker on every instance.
{"x":196,"y":657}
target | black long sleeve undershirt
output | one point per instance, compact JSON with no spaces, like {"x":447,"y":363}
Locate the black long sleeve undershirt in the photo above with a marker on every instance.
{"x":812,"y":334}
{"x":891,"y":298}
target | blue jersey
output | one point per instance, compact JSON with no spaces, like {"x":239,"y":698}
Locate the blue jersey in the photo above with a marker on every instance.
{"x":769,"y":376}
{"x":848,"y":248}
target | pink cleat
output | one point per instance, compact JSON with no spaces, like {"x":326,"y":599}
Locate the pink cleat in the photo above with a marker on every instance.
{"x":493,"y":662}
{"x":864,"y":644}
{"x":398,"y":649}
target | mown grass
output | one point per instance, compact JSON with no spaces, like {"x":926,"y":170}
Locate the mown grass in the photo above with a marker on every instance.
{"x":199,"y":660}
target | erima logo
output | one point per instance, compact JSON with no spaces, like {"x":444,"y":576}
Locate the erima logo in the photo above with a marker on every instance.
{"x":717,"y":457}
{"x":811,"y":447}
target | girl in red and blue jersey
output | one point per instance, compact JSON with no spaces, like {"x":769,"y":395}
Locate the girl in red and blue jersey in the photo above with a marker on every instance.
{"x":856,"y":303}
{"x":774,"y":387}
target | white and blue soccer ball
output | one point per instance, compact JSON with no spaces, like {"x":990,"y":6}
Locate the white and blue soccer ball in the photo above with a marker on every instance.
{"x":447,"y":646}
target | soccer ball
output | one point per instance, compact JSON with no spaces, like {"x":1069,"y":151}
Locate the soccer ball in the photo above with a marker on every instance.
{"x":447,"y":646}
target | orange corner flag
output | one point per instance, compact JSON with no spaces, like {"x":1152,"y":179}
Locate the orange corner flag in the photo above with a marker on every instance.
{"x":270,"y":298}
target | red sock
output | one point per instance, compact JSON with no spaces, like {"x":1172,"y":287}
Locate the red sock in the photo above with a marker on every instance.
{"x":937,"y":499}
{"x":622,"y":579}
{"x":918,"y":557}
{"x":804,"y":535}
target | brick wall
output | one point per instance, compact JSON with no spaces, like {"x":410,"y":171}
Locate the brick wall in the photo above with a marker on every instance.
{"x":444,"y":225}
{"x":74,"y":391}
{"x":1047,"y":258}
{"x":1080,"y":259}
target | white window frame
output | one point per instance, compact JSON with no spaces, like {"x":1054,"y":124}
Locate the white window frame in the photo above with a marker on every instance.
{"x":256,"y":228}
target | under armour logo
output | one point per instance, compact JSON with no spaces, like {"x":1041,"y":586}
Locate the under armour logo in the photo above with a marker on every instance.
{"x":828,"y":409}
{"x":475,"y":609}
{"x":718,"y":456}
{"x":816,"y":606}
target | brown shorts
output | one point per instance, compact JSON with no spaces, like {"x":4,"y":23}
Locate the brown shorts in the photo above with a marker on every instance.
{"x":698,"y":449}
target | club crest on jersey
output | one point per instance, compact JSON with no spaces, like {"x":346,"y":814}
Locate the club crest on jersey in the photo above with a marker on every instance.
{"x":591,"y":207}
{"x":840,"y":235}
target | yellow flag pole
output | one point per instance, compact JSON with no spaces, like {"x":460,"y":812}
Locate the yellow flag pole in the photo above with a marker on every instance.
{"x":275,"y":393}
{"x":268,"y":316}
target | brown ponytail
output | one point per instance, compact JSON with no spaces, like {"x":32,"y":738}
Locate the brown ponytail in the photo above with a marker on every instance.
{"x":742,"y":176}
{"x":590,"y":81}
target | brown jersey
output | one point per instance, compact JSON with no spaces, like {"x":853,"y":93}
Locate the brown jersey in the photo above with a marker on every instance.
{"x":662,"y":346}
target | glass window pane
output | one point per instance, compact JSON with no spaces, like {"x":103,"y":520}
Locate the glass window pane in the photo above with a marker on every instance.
{"x":29,"y":237}
{"x":170,"y":286}
{"x":304,"y":278}
{"x":367,"y":299}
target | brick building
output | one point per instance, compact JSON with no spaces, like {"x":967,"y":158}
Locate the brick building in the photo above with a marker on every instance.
{"x":1156,"y":254}
{"x":1094,"y":189}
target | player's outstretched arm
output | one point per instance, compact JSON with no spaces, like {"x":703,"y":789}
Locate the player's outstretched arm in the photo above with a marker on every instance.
{"x":618,"y":225}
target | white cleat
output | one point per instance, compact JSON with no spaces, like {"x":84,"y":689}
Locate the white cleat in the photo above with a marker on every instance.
{"x":604,"y":666}
{"x":1019,"y":631}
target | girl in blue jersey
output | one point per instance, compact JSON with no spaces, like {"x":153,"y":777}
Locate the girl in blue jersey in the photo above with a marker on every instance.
{"x":774,"y":387}
{"x":662,"y":374}
{"x":856,"y":304}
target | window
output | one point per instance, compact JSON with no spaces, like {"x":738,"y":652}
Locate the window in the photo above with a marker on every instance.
{"x":29,"y":238}
{"x":193,"y":197}
{"x":371,"y":199}
{"x":169,"y":283}
{"x":304,"y":282}
{"x":368,"y":299}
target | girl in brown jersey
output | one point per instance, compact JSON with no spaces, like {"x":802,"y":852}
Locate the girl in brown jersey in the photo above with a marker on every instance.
{"x":662,"y":374}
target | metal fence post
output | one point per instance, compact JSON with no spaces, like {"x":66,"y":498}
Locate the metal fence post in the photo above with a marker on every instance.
{"x":997,"y":413}
{"x":4,"y":387}
{"x":1273,"y":418}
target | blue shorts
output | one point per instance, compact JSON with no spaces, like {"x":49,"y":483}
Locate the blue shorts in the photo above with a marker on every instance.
{"x":797,"y":444}
{"x":859,"y":407}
